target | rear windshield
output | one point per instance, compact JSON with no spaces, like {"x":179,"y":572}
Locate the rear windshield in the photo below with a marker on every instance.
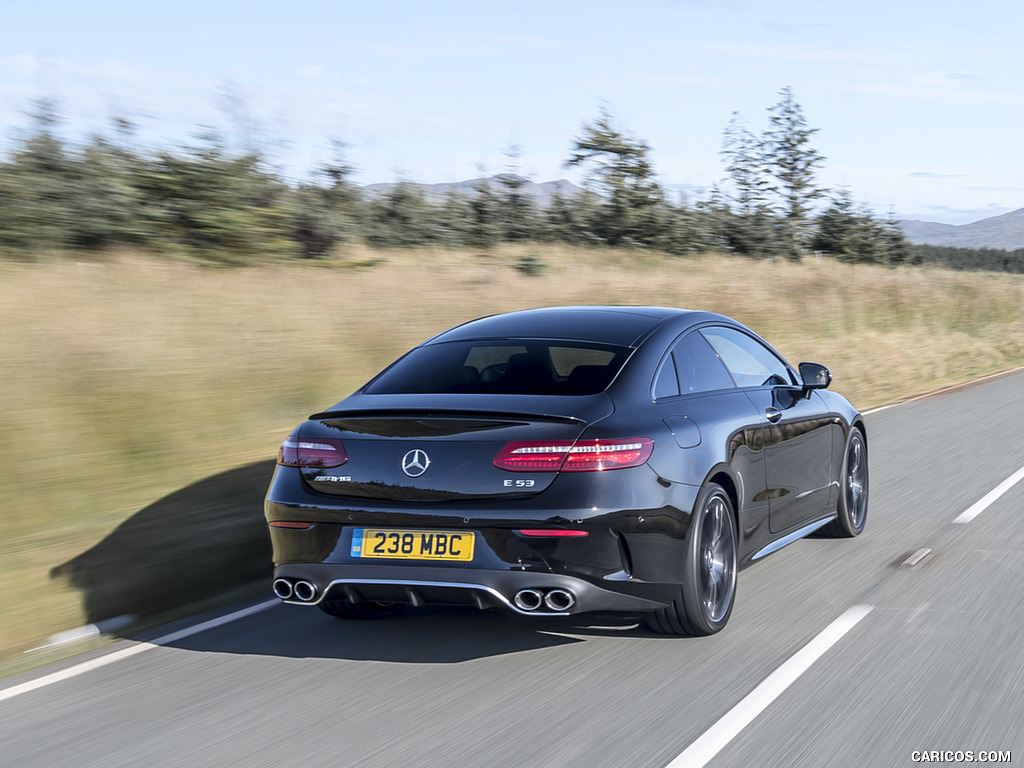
{"x":513,"y":367}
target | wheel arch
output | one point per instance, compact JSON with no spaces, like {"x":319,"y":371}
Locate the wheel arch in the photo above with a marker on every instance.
{"x":721,"y":477}
{"x":858,"y":423}
{"x":843,"y":525}
{"x":700,"y":608}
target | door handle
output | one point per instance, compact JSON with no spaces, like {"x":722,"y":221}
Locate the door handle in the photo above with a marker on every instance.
{"x":772,"y":414}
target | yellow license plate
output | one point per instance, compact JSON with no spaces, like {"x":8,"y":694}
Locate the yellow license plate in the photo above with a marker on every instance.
{"x":412,"y":545}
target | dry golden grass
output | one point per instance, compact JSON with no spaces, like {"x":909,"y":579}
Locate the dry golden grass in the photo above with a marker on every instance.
{"x":127,"y":380}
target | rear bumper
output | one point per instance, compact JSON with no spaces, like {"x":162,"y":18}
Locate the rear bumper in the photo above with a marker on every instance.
{"x":634,"y":524}
{"x":482,"y":588}
{"x":630,"y":559}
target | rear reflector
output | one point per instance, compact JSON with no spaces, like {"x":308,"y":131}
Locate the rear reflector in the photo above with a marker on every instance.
{"x":294,"y":526}
{"x":312,"y":452}
{"x":550,"y":532}
{"x":581,"y":456}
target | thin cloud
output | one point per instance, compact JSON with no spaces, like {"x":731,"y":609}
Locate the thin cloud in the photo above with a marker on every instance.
{"x":938,"y":91}
{"x":964,"y":215}
{"x":19,"y":65}
{"x":869,"y":59}
{"x":931,"y":175}
{"x":1017,"y":190}
{"x":312,"y":72}
{"x":793,"y":29}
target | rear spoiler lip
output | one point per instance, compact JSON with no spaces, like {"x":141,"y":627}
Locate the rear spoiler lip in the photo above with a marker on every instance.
{"x":441,"y":413}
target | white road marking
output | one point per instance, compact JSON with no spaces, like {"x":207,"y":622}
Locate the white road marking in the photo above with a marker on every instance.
{"x":880,"y":408}
{"x":989,"y":498}
{"x":124,"y":653}
{"x":713,"y":740}
{"x":915,"y":559}
{"x":945,"y":390}
{"x":89,"y":630}
{"x":195,"y":629}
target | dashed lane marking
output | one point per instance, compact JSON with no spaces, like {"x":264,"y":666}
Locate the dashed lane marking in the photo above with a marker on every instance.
{"x":713,"y":740}
{"x":989,"y":498}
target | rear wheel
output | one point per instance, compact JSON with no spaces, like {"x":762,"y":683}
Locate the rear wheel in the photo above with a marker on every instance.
{"x":852,"y":509}
{"x":341,"y":609}
{"x":705,"y":598}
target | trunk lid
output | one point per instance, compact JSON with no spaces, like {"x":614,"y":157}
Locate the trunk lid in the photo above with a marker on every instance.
{"x":436,"y":454}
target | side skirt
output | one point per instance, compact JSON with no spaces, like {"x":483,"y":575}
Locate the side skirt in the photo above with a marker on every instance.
{"x":789,"y":538}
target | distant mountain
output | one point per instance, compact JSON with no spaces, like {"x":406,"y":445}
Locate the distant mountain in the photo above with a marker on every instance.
{"x":1005,"y":232}
{"x":542,"y":194}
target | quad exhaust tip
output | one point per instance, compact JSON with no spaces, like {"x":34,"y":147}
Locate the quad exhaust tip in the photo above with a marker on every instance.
{"x":303,"y":591}
{"x":556,"y":600}
{"x":559,"y":600}
{"x":283,"y":588}
{"x":528,"y":599}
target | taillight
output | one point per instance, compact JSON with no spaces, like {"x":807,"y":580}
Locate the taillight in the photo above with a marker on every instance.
{"x":581,"y":456}
{"x":597,"y":455}
{"x":529,"y":456}
{"x":312,"y":452}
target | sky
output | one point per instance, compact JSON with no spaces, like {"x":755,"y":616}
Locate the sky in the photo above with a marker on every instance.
{"x":919,"y":106}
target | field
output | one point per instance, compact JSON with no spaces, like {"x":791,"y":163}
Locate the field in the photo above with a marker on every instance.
{"x":143,"y":401}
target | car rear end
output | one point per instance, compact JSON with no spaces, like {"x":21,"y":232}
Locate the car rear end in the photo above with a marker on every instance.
{"x":523,"y":510}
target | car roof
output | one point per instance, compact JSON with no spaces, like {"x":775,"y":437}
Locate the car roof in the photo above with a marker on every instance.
{"x":624,"y":326}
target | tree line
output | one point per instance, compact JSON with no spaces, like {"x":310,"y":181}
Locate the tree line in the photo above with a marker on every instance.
{"x":970,"y":259}
{"x":211,"y":202}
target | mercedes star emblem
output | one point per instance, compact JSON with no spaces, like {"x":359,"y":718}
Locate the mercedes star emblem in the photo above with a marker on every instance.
{"x":415,"y":463}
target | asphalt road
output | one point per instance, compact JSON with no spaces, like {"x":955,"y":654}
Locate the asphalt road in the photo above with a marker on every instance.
{"x":934,"y":663}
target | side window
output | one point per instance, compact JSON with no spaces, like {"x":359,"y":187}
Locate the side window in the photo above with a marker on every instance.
{"x":666,"y":385}
{"x":750,"y":362}
{"x":698,"y":367}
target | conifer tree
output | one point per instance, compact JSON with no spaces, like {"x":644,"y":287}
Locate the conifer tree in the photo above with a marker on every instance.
{"x":620,"y":171}
{"x":792,"y":163}
{"x":745,"y":164}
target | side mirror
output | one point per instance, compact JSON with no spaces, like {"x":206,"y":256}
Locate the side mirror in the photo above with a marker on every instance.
{"x":815,"y":376}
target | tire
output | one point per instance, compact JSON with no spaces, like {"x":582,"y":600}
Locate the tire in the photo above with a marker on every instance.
{"x":852,"y":508}
{"x":706,"y":596}
{"x":341,"y":609}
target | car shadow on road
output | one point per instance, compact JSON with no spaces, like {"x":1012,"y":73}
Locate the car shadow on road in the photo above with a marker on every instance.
{"x":199,"y":541}
{"x":430,"y":635}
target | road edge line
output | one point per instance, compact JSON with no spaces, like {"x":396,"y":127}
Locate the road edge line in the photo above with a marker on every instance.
{"x":944,"y":390}
{"x":124,"y":653}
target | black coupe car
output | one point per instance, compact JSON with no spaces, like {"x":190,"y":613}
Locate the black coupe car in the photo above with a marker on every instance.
{"x":562,"y":460}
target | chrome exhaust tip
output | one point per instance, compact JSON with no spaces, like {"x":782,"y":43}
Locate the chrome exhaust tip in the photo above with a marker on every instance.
{"x":528,"y":599}
{"x":559,"y":600}
{"x":283,"y":588}
{"x":305,"y":591}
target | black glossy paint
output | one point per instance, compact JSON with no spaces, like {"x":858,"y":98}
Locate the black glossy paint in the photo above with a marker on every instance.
{"x":776,"y":449}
